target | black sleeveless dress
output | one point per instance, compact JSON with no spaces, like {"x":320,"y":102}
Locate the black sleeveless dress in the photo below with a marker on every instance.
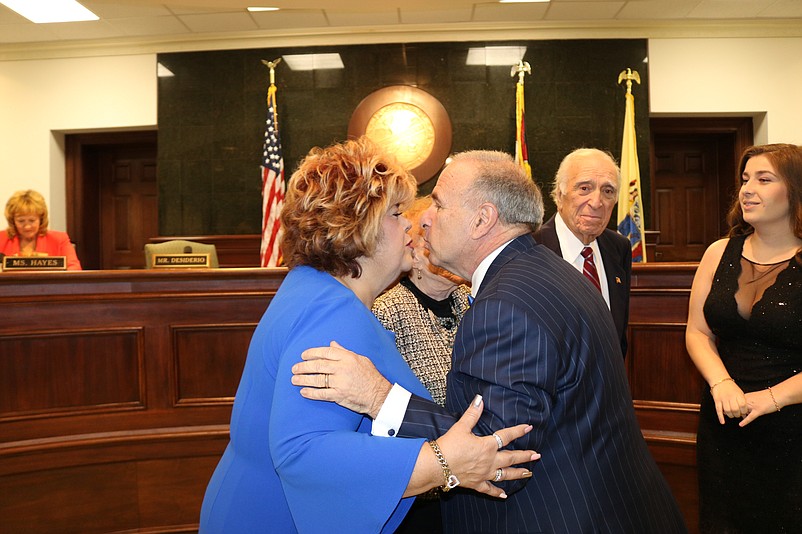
{"x":750,"y":479}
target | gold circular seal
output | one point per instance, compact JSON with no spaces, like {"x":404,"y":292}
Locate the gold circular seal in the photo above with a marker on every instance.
{"x":409,"y":123}
{"x":404,"y":130}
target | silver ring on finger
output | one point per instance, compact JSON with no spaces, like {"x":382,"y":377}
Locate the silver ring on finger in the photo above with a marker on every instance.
{"x":499,"y":474}
{"x":499,"y":441}
{"x":326,"y":381}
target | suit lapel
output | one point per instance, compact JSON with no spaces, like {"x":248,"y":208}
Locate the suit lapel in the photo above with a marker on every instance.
{"x":612,"y":268}
{"x":547,"y":235}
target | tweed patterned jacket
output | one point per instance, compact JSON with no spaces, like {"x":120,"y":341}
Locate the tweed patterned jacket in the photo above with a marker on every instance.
{"x":423,"y":339}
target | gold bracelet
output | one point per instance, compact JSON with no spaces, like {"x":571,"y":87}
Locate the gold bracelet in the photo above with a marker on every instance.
{"x":451,"y":479}
{"x":773,"y":399}
{"x":719,"y":382}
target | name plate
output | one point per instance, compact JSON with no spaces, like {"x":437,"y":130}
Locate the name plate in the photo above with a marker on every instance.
{"x":35,"y":263}
{"x":180,"y":261}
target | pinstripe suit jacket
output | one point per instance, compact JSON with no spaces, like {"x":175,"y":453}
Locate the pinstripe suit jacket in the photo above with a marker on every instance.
{"x":616,"y":255}
{"x":539,"y":344}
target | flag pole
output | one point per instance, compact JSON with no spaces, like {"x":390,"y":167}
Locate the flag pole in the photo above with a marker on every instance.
{"x":521,"y":150}
{"x":630,"y":202}
{"x":273,"y":186}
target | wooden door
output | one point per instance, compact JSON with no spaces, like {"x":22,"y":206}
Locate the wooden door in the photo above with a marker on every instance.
{"x":129,"y":205}
{"x":687,"y":207}
{"x":112,"y":197}
{"x":693,"y":165}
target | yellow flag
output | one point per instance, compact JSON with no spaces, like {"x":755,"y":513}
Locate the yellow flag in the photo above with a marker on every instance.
{"x":521,"y":151}
{"x":630,"y":203}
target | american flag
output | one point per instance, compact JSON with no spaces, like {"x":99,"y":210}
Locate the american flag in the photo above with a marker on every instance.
{"x":272,"y":186}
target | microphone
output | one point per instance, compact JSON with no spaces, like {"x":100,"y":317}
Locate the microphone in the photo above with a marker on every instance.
{"x":187,"y":250}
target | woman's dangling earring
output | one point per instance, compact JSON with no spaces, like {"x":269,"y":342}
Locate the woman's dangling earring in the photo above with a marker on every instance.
{"x":419,"y":274}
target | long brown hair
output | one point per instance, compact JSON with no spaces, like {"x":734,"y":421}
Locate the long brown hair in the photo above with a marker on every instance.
{"x":787,"y":162}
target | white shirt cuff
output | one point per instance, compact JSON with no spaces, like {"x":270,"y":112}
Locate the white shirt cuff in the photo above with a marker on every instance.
{"x":391,"y":414}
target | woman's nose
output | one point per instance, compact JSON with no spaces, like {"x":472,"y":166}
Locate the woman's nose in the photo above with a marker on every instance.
{"x":407,"y":224}
{"x":746,"y":187}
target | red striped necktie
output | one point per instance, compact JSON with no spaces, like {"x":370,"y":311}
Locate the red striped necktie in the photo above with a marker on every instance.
{"x":589,"y":268}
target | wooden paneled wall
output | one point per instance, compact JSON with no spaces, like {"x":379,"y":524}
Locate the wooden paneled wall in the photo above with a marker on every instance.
{"x":666,"y":388}
{"x":116,"y":390}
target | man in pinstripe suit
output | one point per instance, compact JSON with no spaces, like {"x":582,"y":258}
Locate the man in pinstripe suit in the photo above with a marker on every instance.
{"x":540,"y":346}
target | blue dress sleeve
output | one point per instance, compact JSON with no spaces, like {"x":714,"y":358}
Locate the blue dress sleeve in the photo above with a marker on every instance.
{"x":335,"y":475}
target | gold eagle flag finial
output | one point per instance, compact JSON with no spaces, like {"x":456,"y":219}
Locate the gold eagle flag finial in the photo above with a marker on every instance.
{"x":629,"y":75}
{"x":272,"y":66}
{"x":520,"y":69}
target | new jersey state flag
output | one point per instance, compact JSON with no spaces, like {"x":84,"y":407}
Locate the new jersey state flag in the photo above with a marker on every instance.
{"x":630,"y":203}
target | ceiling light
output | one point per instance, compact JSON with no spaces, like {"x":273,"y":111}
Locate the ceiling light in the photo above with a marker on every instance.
{"x":495,"y":55}
{"x":43,"y":11}
{"x":314,"y":61}
{"x":252,"y":9}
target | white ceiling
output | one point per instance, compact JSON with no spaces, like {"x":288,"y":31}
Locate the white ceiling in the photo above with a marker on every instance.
{"x":185,"y":24}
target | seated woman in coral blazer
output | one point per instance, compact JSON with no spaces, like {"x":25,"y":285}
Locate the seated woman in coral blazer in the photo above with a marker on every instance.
{"x":27,"y":233}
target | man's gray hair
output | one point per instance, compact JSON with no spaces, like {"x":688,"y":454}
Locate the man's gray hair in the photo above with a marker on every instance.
{"x":563,"y":175}
{"x":503,"y":183}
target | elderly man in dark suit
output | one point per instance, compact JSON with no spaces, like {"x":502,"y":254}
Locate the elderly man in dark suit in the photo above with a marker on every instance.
{"x":585,"y":192}
{"x":538,"y":343}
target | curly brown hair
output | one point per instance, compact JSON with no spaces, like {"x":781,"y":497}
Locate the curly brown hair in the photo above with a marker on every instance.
{"x":24,"y":203}
{"x":787,"y":162}
{"x":335,"y":203}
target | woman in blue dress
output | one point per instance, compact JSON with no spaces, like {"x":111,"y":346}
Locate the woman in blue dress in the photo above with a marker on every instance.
{"x":296,"y":465}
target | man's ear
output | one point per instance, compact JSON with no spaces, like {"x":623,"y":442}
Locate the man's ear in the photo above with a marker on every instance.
{"x":484,"y":221}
